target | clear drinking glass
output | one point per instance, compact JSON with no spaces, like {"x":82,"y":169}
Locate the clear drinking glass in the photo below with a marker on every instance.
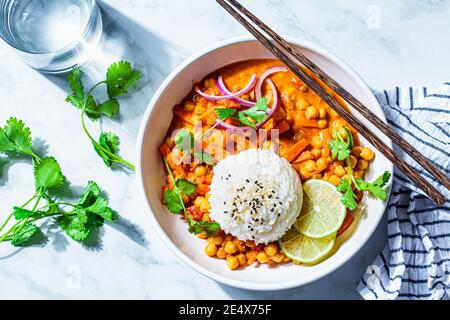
{"x":51,"y":35}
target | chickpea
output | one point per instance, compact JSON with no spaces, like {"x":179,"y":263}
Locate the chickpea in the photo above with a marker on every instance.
{"x":322,"y":113}
{"x":267,"y":145}
{"x":322,"y":164}
{"x":209,"y":82}
{"x":242,"y":259}
{"x":211,"y":249}
{"x":200,"y":171}
{"x":334,"y":180}
{"x":278,"y":258}
{"x":251,"y":257}
{"x":362,"y":164}
{"x":356,"y":151}
{"x":347,"y":177}
{"x":286,"y":259}
{"x":232,"y":262}
{"x":189,"y":106}
{"x":317,"y":176}
{"x":202,"y":235}
{"x":217,"y":240}
{"x":339,"y":171}
{"x":205,"y":206}
{"x":199,"y":109}
{"x":316,"y":142}
{"x":359,"y":174}
{"x":367,"y":154}
{"x":316,"y":152}
{"x":230,"y":247}
{"x":262,"y":257}
{"x":169,"y":142}
{"x":198,"y":201}
{"x":311,"y":112}
{"x":305,"y":174}
{"x":301,"y":104}
{"x":310,"y":165}
{"x":250,"y":243}
{"x":221,"y":253}
{"x":271,"y":249}
{"x":240,"y":245}
{"x":353,"y":161}
{"x":322,"y":124}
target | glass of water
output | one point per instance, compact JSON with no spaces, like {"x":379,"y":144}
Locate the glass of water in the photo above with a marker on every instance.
{"x":52,"y":36}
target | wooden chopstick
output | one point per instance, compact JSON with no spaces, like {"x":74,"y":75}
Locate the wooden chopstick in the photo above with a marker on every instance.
{"x":387,"y":130}
{"x":346,"y":115}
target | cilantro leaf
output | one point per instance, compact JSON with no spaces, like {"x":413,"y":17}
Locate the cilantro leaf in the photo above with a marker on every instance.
{"x":15,"y":137}
{"x":21,"y":213}
{"x":173,"y":201}
{"x":376,"y":188}
{"x":23,"y":235}
{"x":109,"y":141}
{"x":120,"y":77}
{"x":256,"y":113}
{"x":90,"y":212}
{"x":339,"y":147}
{"x":184,"y":140}
{"x":243,"y":119}
{"x":185,"y":186}
{"x":48,"y":174}
{"x":75,"y":83}
{"x":100,"y":207}
{"x":90,"y":194}
{"x":204,"y":157}
{"x":348,"y":197}
{"x":196,"y":227}
{"x":225,"y":113}
{"x":76,"y":225}
{"x":109,"y":108}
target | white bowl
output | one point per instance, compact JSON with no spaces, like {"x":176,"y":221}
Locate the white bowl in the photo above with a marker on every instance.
{"x":150,"y":174}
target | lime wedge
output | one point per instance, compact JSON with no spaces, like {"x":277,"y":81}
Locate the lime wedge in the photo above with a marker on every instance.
{"x":322,"y":212}
{"x":305,"y":249}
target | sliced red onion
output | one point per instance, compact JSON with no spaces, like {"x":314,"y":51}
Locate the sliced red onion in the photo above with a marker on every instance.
{"x":274,"y":108}
{"x":223,"y":89}
{"x":223,"y":125}
{"x":246,"y":89}
{"x":263,"y":77}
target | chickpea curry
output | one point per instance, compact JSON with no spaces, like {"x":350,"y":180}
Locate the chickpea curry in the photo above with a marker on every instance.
{"x":306,"y":127}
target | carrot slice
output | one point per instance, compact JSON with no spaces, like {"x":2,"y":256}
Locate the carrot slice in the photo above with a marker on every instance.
{"x":183,"y":114}
{"x":306,"y":155}
{"x":202,"y":189}
{"x":283,"y":126}
{"x":326,"y":138}
{"x":295,"y":150}
{"x":347,"y":223}
{"x":303,"y":122}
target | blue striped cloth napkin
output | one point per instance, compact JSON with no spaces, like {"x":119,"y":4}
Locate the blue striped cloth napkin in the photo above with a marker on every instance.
{"x":415,"y":264}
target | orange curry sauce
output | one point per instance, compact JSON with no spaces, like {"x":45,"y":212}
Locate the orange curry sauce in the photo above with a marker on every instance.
{"x":304,"y":122}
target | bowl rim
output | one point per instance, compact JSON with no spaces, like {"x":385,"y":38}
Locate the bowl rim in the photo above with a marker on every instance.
{"x":166,"y":239}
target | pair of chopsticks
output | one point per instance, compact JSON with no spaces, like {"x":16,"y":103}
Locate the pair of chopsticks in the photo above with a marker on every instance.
{"x":285,"y":52}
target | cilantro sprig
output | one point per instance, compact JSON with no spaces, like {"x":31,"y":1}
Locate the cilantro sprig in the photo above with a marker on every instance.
{"x":341,"y":149}
{"x":376,"y":188}
{"x":120,"y":77}
{"x":185,"y":141}
{"x":78,"y":220}
{"x":248,"y":117}
{"x":173,"y":200}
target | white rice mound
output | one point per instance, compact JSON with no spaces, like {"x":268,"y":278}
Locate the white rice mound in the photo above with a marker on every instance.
{"x":255,"y":195}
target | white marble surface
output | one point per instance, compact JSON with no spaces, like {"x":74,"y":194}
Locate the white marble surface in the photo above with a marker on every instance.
{"x":387,"y":42}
